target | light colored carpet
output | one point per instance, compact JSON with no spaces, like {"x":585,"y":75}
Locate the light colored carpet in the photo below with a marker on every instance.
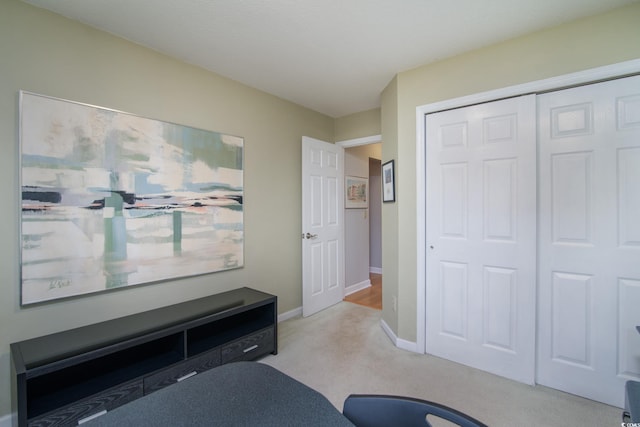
{"x":343,"y":350}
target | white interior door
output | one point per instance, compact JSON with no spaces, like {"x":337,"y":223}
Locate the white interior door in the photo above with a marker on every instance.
{"x":589,"y":297}
{"x":481,"y":236}
{"x":322,"y":225}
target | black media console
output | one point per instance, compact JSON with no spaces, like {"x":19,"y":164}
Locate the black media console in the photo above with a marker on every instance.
{"x":68,"y":377}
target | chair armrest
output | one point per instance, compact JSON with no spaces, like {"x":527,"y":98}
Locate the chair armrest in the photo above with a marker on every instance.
{"x":632,"y":401}
{"x":382,"y":411}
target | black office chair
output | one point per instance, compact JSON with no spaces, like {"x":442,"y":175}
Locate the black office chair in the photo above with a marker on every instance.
{"x":384,"y":411}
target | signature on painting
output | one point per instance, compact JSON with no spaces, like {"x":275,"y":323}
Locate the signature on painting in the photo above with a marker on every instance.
{"x":59,"y":283}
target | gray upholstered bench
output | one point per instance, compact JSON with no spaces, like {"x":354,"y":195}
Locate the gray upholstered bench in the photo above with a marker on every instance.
{"x":236,"y":394}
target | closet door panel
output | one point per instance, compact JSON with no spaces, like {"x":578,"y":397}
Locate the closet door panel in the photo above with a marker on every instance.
{"x":481,"y":261}
{"x":589,"y":234}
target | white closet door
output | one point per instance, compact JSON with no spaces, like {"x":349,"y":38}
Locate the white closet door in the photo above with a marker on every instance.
{"x":589,"y":237}
{"x":481,"y":236}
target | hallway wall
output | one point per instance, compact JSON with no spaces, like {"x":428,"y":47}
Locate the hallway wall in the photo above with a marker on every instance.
{"x":375,"y":215}
{"x":356,"y":163}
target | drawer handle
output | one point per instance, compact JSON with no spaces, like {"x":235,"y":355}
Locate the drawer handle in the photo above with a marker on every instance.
{"x":91,"y":417}
{"x":189,"y":375}
{"x":248,"y":349}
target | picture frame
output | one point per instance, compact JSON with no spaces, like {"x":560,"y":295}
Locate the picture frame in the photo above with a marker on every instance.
{"x":110,"y":199}
{"x":356,"y":192}
{"x":388,"y":182}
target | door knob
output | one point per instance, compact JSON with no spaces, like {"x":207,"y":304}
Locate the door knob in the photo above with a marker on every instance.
{"x":311,"y":236}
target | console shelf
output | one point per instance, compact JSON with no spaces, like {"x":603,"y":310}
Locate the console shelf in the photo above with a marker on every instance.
{"x":73,"y":375}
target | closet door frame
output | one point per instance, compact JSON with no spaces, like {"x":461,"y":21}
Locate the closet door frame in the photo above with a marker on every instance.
{"x":565,"y":81}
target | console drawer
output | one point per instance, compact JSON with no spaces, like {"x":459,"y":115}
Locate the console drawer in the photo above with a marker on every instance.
{"x":183,"y":370}
{"x":91,"y":406}
{"x":249,"y":347}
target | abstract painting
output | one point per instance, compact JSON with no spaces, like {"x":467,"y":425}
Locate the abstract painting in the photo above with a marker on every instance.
{"x":111,"y":199}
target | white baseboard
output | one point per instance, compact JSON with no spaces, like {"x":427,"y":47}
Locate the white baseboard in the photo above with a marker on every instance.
{"x":375,"y":270}
{"x":387,"y":330}
{"x":407,"y":345}
{"x":288,"y":315}
{"x":8,"y":420}
{"x":399,"y":342}
{"x":357,"y":287}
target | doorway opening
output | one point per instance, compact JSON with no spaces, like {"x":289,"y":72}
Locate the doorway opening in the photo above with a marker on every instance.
{"x":363,"y":228}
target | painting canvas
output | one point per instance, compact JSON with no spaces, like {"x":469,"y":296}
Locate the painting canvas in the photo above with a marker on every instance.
{"x":356,"y":192}
{"x":110,"y":199}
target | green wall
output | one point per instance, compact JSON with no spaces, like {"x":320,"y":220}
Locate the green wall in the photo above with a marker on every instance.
{"x":48,"y":54}
{"x":390,"y":259}
{"x":358,"y":125}
{"x":601,"y":40}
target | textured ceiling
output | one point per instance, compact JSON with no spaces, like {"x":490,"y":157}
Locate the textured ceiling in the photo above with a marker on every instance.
{"x":333,"y":56}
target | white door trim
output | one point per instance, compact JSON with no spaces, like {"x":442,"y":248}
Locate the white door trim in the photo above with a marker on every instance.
{"x":365,"y":140}
{"x":579,"y":78}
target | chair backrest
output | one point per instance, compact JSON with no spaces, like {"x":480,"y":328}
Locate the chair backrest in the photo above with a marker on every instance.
{"x":398,"y":411}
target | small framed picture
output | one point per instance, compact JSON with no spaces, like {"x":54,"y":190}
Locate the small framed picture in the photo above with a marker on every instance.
{"x":356,"y":192}
{"x":388,"y":182}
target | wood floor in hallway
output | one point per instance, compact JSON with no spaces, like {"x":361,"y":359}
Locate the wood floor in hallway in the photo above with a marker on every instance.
{"x":371,"y":296}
